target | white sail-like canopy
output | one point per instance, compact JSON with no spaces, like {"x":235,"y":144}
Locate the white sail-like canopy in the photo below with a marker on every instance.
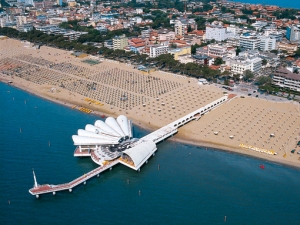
{"x":114,"y":125}
{"x":85,"y":133}
{"x":108,"y":132}
{"x":80,"y":140}
{"x":124,"y":124}
{"x":106,"y":128}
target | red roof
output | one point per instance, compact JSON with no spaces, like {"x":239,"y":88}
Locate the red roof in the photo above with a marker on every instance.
{"x":138,"y":45}
{"x":214,"y":67}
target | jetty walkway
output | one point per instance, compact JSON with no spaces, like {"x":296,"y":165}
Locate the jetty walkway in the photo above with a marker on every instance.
{"x":140,"y":152}
{"x":37,"y":190}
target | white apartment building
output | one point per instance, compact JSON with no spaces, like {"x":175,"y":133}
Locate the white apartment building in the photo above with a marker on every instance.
{"x":240,"y":64}
{"x":166,"y":36}
{"x":217,"y":32}
{"x":139,"y":11}
{"x":249,"y":42}
{"x":267,"y":43}
{"x":2,"y":22}
{"x":20,"y":20}
{"x":221,"y":51}
{"x":285,"y":78}
{"x":233,"y":29}
{"x":145,"y":33}
{"x":156,"y":50}
{"x":25,"y":27}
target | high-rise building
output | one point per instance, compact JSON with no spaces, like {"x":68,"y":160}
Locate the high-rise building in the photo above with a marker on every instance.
{"x":249,"y":42}
{"x":267,"y":43}
{"x":292,"y":33}
{"x":59,"y":2}
{"x":179,"y":29}
{"x":217,"y":31}
{"x":120,"y":42}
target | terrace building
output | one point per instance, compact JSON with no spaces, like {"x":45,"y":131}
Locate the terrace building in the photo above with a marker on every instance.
{"x":286,"y":79}
{"x":290,"y":48}
{"x":249,"y":42}
{"x":157,"y":50}
{"x":240,"y":64}
{"x":221,"y":51}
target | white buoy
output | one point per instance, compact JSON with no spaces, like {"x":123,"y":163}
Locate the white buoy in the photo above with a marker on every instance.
{"x":37,"y":196}
{"x":54,"y":192}
{"x":70,"y":190}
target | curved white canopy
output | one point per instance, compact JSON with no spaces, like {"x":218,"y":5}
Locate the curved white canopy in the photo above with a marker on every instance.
{"x":110,"y":121}
{"x":85,"y":133}
{"x":106,"y":128}
{"x":79,"y":140}
{"x":123,"y":123}
{"x":141,"y":152}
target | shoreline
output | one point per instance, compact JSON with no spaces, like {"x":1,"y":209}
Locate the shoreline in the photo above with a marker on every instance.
{"x":154,"y":100}
{"x":178,"y":138}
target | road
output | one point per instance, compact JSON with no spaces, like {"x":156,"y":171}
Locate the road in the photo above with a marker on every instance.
{"x":250,"y":90}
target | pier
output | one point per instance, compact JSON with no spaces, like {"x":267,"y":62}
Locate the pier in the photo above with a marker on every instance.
{"x":134,"y":157}
{"x":38,"y":190}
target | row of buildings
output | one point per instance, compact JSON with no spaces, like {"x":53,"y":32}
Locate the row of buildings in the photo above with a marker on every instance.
{"x":220,"y":39}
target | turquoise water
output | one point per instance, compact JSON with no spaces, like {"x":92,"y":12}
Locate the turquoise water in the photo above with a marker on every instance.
{"x":193,"y":185}
{"x":285,"y":4}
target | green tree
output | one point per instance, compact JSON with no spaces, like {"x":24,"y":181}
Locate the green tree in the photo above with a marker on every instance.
{"x":226,"y":82}
{"x":264,"y":62}
{"x":262,"y":80}
{"x":274,"y":51}
{"x":218,"y":61}
{"x":248,"y":75}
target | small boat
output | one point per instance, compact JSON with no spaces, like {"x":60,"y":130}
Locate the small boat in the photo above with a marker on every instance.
{"x":262,"y":166}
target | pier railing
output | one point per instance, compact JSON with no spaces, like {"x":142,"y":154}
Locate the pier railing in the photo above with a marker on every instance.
{"x":48,"y":188}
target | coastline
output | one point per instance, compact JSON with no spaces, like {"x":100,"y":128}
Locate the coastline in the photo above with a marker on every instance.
{"x":178,"y":138}
{"x":280,"y":4}
{"x":154,"y":100}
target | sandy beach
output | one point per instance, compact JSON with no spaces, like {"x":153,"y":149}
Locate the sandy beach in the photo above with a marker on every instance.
{"x":247,"y":125}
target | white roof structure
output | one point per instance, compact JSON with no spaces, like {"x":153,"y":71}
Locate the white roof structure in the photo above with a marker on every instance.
{"x":110,"y":132}
{"x":140,"y":153}
{"x":105,"y":127}
{"x":80,"y":140}
{"x":124,"y":124}
{"x":114,"y":125}
{"x":85,"y":133}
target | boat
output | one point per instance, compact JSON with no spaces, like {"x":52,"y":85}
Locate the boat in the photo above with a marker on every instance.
{"x":262,"y":166}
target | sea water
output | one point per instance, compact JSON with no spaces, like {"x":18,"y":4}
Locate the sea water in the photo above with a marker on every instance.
{"x":285,"y":4}
{"x":181,"y":184}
